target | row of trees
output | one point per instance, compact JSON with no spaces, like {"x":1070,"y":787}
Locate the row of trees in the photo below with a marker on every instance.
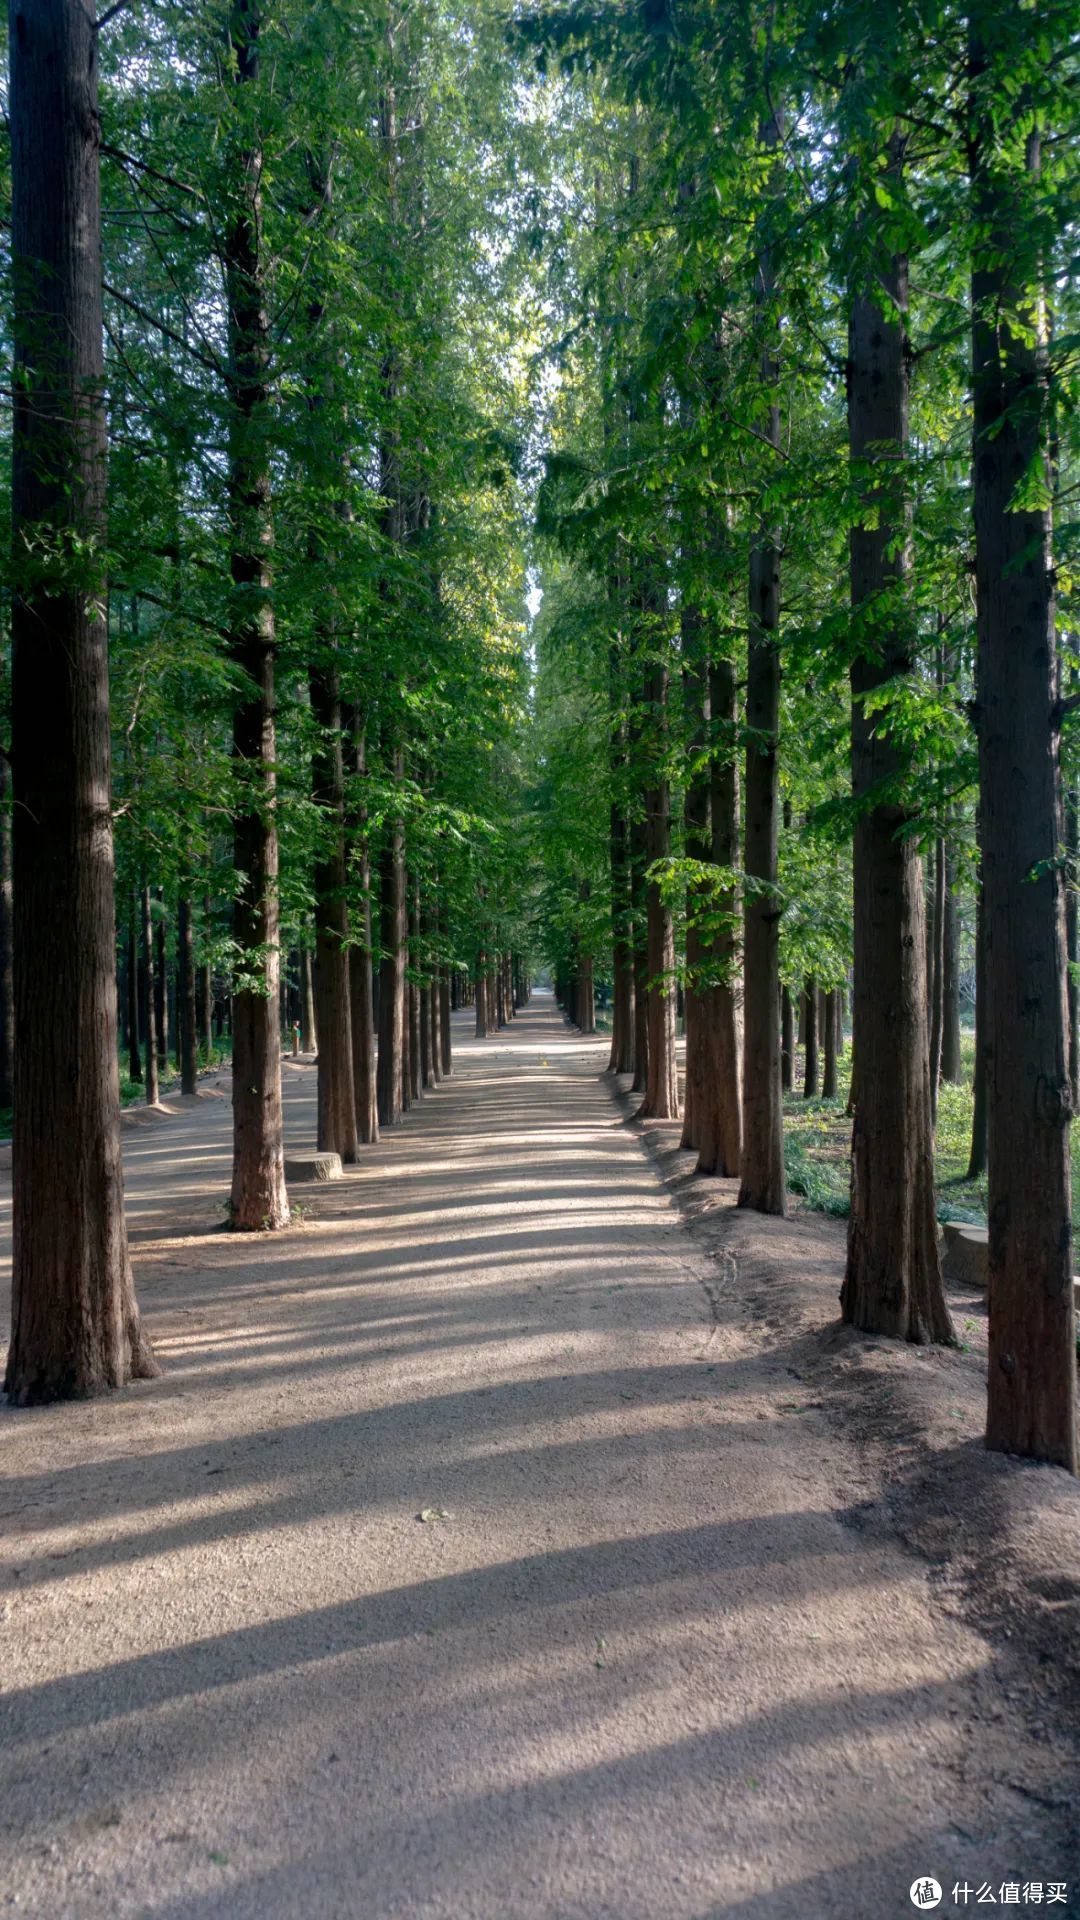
{"x":264,"y":492}
{"x":807,"y":515}
{"x":766,"y":313}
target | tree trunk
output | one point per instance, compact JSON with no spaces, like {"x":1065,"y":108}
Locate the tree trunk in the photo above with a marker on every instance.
{"x":892,"y":1283}
{"x":336,"y":1097}
{"x":639,"y":860}
{"x":416,"y":1078}
{"x":445,"y":998}
{"x":309,"y":1032}
{"x":74,"y":1321}
{"x":1073,"y":937}
{"x":719,"y":1118}
{"x":950,"y":975}
{"x":161,"y":985}
{"x":787,"y":1041}
{"x":1032,"y":1361}
{"x":258,"y":1198}
{"x":977,"y":1158}
{"x":361,"y":982}
{"x":810,"y":1063}
{"x":831,"y":1050}
{"x":661,"y":1100}
{"x":622,"y":999}
{"x":7,"y":982}
{"x":762,"y":1182}
{"x":149,"y":1014}
{"x":586,"y":1019}
{"x":937,"y":975}
{"x":206,"y":989}
{"x":697,"y":835}
{"x":187,"y":1024}
{"x":390,"y":1070}
{"x":135,"y":1073}
{"x":481,"y":999}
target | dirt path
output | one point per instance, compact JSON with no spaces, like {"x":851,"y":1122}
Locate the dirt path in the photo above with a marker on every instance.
{"x":645,"y":1665}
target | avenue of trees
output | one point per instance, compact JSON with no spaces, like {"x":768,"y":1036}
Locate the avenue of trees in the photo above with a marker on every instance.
{"x":740,"y":341}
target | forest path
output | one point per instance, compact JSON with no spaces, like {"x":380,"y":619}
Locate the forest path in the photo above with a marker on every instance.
{"x":645,"y":1665}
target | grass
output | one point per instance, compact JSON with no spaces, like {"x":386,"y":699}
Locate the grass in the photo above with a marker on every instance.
{"x":817,"y":1146}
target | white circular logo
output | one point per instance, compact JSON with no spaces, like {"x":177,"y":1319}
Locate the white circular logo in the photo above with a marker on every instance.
{"x":925,"y":1893}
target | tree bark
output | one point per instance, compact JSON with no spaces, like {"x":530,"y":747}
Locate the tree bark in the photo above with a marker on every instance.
{"x":719,"y":1117}
{"x":131,"y":983}
{"x":762,"y":1183}
{"x":336,"y":1098}
{"x":188,"y":1026}
{"x":892,"y":1283}
{"x":206,"y":988}
{"x":810,"y":1061}
{"x":977,"y":1158}
{"x":639,"y":860}
{"x":258,"y":1198}
{"x":937,"y":972}
{"x":661,"y":1100}
{"x":309,"y":1032}
{"x":161,"y":985}
{"x":445,"y":999}
{"x":149,"y":1008}
{"x":831,"y":1048}
{"x":787,"y":1041}
{"x":361,"y":982}
{"x":950,"y":975}
{"x":7,"y":980}
{"x":1031,"y":1407}
{"x":75,"y":1326}
{"x":390,"y":1069}
{"x":480,"y":991}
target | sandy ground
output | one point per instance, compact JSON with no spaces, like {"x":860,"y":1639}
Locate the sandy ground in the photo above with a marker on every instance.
{"x":645,"y":1658}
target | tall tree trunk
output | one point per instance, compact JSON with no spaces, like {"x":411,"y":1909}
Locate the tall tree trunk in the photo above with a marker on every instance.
{"x":390,"y":1070}
{"x":7,"y":981}
{"x":1032,"y":1361}
{"x":361,"y":983}
{"x":481,"y":998}
{"x":977,"y":1158}
{"x":1073,"y":937}
{"x":661,"y":1100}
{"x":74,"y":1322}
{"x":762,"y":1184}
{"x":416,"y":1080}
{"x":831,"y":1050}
{"x":787,"y":1041}
{"x":149,"y":1008}
{"x":937,"y":974}
{"x":258,"y":1198}
{"x":697,"y":833}
{"x":719,"y":1120}
{"x":639,"y":860}
{"x":206,"y":988}
{"x":445,"y":998}
{"x":950,"y":975}
{"x":309,"y":1032}
{"x":892,"y":1283}
{"x":131,"y":984}
{"x":586,"y":1019}
{"x":810,"y":1062}
{"x":161,"y":985}
{"x":185,"y":983}
{"x":622,"y":997}
{"x":336,"y":1099}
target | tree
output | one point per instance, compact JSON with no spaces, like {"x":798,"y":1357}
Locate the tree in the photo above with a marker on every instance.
{"x":892,"y":1281}
{"x":75,"y":1322}
{"x":1032,"y":1370}
{"x":258,"y":1198}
